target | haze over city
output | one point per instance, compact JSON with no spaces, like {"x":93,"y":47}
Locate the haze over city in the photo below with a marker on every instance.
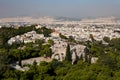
{"x":59,"y":39}
{"x":60,"y":8}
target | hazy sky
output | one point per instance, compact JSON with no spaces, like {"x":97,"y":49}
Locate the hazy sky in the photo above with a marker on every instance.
{"x":65,"y":8}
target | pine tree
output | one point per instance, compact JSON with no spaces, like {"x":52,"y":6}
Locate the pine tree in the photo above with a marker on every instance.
{"x":19,"y":61}
{"x":68,"y":55}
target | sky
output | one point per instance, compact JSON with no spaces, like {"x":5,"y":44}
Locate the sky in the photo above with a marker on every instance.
{"x":60,"y":8}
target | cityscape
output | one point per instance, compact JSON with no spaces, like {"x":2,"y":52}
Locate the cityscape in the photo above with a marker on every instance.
{"x":59,"y":40}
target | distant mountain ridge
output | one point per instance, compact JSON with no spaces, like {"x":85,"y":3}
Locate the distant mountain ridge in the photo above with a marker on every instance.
{"x":50,"y":20}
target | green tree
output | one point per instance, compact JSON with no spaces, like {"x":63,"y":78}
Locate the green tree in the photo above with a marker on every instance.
{"x":106,"y":39}
{"x":50,"y":41}
{"x":71,"y":39}
{"x":19,"y":60}
{"x":46,"y":50}
{"x":92,"y":38}
{"x":62,"y":36}
{"x":68,"y":54}
{"x":4,"y":61}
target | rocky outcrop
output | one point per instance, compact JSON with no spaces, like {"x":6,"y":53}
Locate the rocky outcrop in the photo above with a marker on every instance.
{"x":77,"y":52}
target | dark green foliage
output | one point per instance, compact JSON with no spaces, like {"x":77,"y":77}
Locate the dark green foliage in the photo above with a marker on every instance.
{"x":71,"y":39}
{"x":62,"y":36}
{"x":68,"y":54}
{"x":92,"y":38}
{"x":46,"y":51}
{"x":44,"y":31}
{"x":63,"y":71}
{"x":55,"y":64}
{"x":108,"y":61}
{"x":106,"y":68}
{"x":7,"y":33}
{"x":11,"y":74}
{"x":4,"y":61}
{"x":19,"y":60}
{"x":106,"y":39}
{"x":51,"y":42}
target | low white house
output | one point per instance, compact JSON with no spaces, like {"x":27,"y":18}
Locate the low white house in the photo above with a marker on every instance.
{"x":38,"y":26}
{"x":94,"y":59}
{"x":26,"y":37}
{"x":0,"y":26}
{"x":55,"y":34}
